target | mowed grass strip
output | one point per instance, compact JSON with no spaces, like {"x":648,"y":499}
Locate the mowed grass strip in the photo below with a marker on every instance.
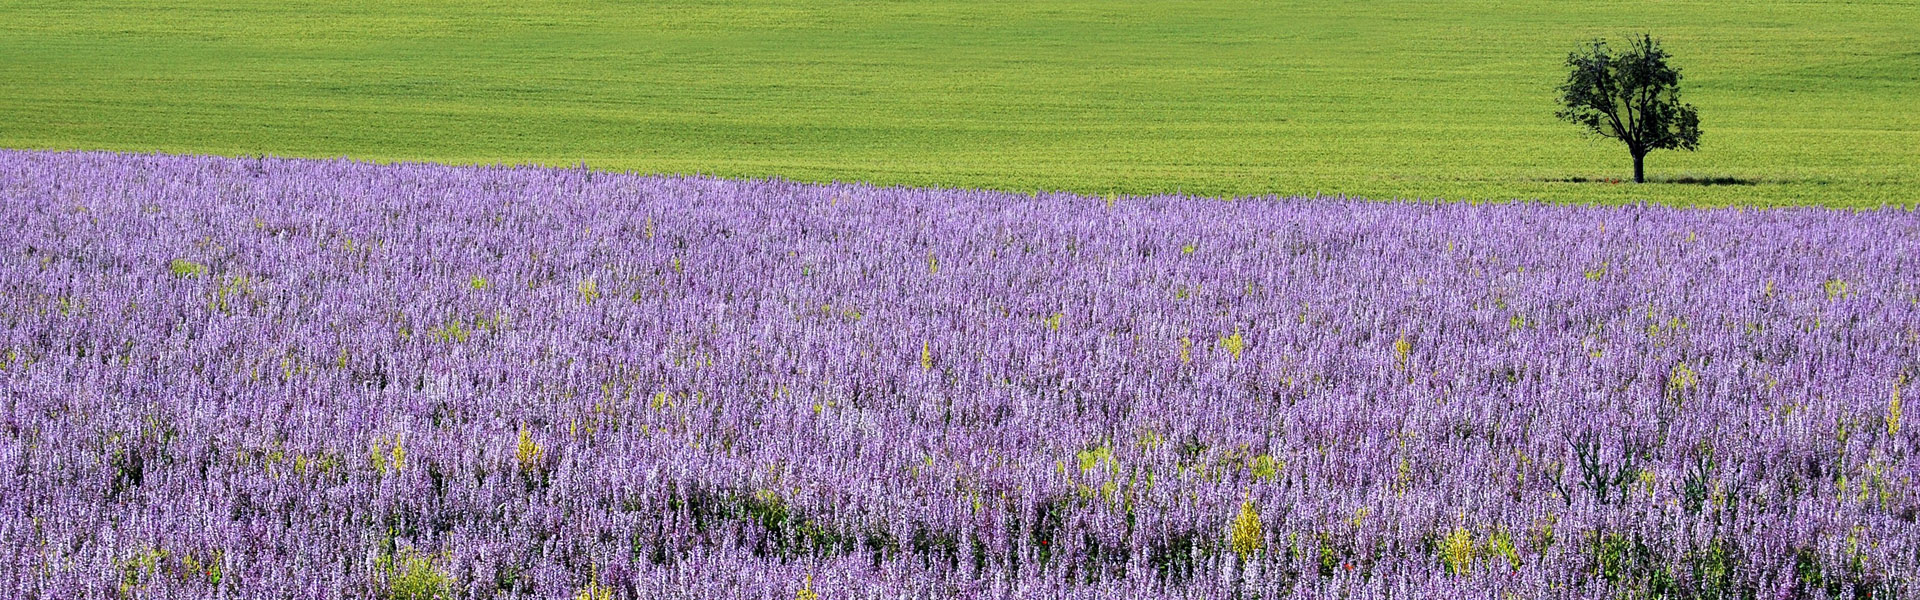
{"x":1801,"y":102}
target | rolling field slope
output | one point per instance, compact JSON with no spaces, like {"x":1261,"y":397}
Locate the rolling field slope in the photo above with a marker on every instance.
{"x":1802,"y":102}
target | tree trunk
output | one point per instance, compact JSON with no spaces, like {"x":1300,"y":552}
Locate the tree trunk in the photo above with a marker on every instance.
{"x":1639,"y":167}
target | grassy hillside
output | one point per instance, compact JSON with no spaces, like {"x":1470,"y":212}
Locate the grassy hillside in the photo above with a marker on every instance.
{"x":1811,"y":102}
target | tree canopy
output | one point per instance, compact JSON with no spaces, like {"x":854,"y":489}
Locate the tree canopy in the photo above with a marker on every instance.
{"x":1632,"y":96}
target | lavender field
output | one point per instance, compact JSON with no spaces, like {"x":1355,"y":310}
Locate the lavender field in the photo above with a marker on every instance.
{"x":241,"y":378}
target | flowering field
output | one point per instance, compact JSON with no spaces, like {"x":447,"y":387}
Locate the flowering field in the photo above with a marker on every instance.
{"x":279,"y":378}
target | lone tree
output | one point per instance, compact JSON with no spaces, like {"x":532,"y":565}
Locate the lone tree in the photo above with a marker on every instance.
{"x":1633,"y":97}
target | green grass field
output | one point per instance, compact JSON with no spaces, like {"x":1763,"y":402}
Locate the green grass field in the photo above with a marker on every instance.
{"x":1811,"y":102}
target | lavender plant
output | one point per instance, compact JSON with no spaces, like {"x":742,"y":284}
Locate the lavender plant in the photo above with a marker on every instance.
{"x":320,"y":379}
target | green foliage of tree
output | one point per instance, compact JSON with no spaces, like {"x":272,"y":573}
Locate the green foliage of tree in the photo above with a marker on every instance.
{"x":1632,"y":96}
